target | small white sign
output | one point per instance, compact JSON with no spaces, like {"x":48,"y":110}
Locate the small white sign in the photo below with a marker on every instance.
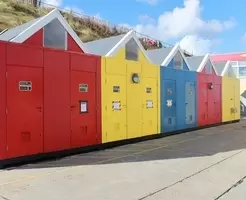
{"x":116,"y":105}
{"x":149,"y":104}
{"x":25,"y":86}
{"x":83,"y":107}
{"x":169,"y":103}
{"x":83,"y":87}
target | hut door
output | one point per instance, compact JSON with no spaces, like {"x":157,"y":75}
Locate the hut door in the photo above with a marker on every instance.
{"x":203,"y":104}
{"x":169,"y":106}
{"x":134,"y":101}
{"x":217,"y":103}
{"x":25,"y":111}
{"x":150,"y":108}
{"x":233,"y":105}
{"x":83,"y":109}
{"x":190,"y":102}
{"x":115,"y":108}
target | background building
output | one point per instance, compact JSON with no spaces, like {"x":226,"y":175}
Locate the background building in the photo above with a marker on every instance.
{"x":239,"y":65}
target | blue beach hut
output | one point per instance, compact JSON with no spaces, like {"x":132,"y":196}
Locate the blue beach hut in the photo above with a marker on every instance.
{"x":178,"y":89}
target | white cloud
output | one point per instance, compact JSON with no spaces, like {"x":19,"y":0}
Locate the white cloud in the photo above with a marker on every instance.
{"x":150,"y":2}
{"x":182,"y":21}
{"x":195,"y":45}
{"x":244,"y":38}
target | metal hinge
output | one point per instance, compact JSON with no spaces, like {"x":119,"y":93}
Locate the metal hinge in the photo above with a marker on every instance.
{"x":7,"y":147}
{"x":6,"y":111}
{"x":105,"y":107}
{"x":105,"y":80}
{"x":6,"y":74}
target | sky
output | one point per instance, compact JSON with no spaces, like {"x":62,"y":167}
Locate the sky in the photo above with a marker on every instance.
{"x":199,"y":26}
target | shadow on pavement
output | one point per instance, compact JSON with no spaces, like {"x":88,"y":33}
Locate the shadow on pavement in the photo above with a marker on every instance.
{"x":199,"y":143}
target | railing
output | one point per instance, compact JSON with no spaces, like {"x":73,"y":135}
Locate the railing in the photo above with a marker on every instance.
{"x":239,"y":68}
{"x":147,"y":41}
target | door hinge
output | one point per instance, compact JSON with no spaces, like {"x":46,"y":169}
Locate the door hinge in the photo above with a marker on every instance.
{"x":7,"y":147}
{"x":105,"y":80}
{"x":105,"y":107}
{"x":6,"y":74}
{"x":6,"y":111}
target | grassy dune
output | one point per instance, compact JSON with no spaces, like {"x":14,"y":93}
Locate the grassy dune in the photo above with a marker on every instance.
{"x":14,"y":13}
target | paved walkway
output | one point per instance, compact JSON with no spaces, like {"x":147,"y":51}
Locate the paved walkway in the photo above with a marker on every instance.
{"x":201,"y":165}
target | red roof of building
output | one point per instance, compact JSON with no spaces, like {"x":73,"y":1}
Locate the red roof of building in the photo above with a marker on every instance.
{"x":229,"y":56}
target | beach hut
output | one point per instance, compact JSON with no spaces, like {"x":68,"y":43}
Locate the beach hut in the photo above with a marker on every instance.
{"x":178,"y":89}
{"x":130,"y":88}
{"x":230,"y":91}
{"x":50,"y":101}
{"x":208,"y":90}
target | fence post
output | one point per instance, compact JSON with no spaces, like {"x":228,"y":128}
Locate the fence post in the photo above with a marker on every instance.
{"x":35,"y":3}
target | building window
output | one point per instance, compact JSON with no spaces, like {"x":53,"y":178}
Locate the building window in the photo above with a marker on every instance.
{"x":131,"y":50}
{"x":242,"y":71}
{"x":178,"y":61}
{"x":55,"y":36}
{"x":239,"y":69}
{"x":208,"y":68}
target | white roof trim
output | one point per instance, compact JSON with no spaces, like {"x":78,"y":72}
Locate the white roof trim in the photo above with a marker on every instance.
{"x":170,"y":56}
{"x":131,"y":34}
{"x":54,"y":14}
{"x":116,"y":47}
{"x":227,"y":65}
{"x":203,"y":63}
{"x":242,"y":100}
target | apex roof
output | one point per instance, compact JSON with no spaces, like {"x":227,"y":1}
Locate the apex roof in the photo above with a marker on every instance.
{"x":195,"y":60}
{"x":220,"y":66}
{"x":103,"y":46}
{"x":21,"y":33}
{"x":243,"y":100}
{"x":163,"y":56}
{"x":111,"y":45}
{"x":158,"y":55}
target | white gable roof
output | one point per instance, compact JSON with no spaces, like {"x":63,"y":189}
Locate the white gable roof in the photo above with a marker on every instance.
{"x":243,"y":100}
{"x":41,"y":22}
{"x":173,"y":52}
{"x":227,"y":67}
{"x":122,"y":42}
{"x":111,"y":45}
{"x":203,"y":63}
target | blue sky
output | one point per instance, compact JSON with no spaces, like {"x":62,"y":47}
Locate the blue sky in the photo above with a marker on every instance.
{"x":201,"y":26}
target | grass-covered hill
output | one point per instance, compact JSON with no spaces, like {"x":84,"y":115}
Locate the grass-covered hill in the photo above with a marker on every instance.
{"x":15,"y":12}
